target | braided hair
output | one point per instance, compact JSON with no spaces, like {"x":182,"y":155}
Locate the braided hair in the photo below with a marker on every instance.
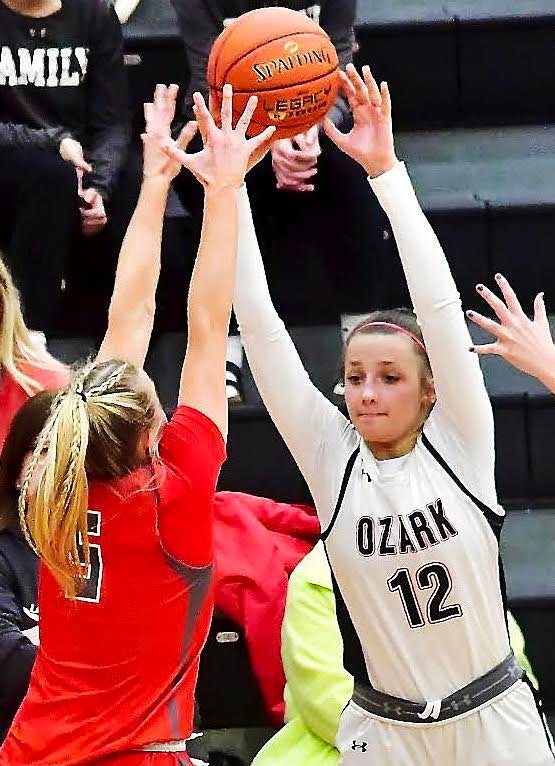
{"x":93,"y":432}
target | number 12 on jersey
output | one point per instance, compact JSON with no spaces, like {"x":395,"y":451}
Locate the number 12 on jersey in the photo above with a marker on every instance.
{"x":434,"y":576}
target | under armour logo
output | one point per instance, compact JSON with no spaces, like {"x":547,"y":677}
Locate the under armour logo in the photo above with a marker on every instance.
{"x":32,"y":612}
{"x":432,"y":710}
{"x":359,"y":746}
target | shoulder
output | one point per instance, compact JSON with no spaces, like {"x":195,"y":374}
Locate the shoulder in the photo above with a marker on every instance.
{"x":340,"y":437}
{"x":90,"y":14}
{"x":188,"y":427}
{"x":51,"y":379}
{"x":475,"y":469}
{"x":121,"y":490}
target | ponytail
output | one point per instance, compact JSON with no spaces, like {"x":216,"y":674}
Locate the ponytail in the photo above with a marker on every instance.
{"x":57,"y":516}
{"x":94,"y":430}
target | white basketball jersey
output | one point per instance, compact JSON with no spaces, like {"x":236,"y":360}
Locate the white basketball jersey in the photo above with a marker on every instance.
{"x":415,"y":560}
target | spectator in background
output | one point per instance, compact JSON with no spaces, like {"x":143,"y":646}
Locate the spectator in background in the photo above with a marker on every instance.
{"x":25,"y":369}
{"x":25,"y":365}
{"x":304,"y":218}
{"x":63,"y":140}
{"x":19,"y":612}
{"x":318,"y":687}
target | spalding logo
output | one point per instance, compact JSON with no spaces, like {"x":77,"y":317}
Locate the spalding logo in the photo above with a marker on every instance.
{"x":269,"y":69}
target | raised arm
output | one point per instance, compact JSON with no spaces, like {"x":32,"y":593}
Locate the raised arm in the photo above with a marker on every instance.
{"x":131,"y":313}
{"x":303,"y":416}
{"x":221,"y":168}
{"x":460,"y":390}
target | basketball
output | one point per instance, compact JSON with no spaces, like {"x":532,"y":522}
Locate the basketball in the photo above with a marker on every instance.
{"x":285,"y":59}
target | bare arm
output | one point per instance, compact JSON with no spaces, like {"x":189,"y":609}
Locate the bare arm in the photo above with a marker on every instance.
{"x":131,"y":313}
{"x":202,"y":384}
{"x":221,"y":168}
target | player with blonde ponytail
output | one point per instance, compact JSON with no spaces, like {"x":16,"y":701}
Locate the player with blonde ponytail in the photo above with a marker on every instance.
{"x":118,"y":503}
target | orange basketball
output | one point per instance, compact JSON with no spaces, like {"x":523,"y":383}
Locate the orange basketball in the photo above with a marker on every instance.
{"x":285,"y":59}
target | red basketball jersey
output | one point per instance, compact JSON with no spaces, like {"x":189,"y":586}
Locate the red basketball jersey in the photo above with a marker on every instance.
{"x":13,"y":397}
{"x":117,"y":667}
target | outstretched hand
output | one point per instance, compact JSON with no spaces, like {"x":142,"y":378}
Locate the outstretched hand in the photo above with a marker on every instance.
{"x":227,"y":154}
{"x":524,"y":343}
{"x":370,"y":141}
{"x":159,"y":115}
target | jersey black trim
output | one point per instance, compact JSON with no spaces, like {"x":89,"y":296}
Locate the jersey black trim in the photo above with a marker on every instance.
{"x":353,"y":656}
{"x":346,"y":477}
{"x":494,"y":519}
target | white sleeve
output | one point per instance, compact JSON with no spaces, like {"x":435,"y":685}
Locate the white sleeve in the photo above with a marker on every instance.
{"x":463,"y":409}
{"x":317,"y":434}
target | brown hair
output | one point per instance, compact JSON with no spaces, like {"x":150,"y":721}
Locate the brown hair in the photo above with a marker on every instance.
{"x":24,"y":430}
{"x":93,"y":432}
{"x":401,"y":317}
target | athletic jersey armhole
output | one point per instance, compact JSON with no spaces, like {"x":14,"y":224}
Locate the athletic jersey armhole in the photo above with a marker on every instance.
{"x":495,"y":520}
{"x":346,"y":476}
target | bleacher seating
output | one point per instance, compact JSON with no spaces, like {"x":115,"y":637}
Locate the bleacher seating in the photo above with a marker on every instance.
{"x":461,"y":72}
{"x":461,"y":61}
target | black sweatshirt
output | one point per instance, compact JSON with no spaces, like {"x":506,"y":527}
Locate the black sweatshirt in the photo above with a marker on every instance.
{"x":18,"y":612}
{"x":63,"y":75}
{"x":201,"y":21}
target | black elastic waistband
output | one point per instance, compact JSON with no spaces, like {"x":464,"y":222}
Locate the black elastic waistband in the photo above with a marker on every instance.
{"x":474,"y":695}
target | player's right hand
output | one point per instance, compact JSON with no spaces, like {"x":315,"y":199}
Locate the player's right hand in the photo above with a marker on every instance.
{"x":227,"y":154}
{"x":370,"y":140}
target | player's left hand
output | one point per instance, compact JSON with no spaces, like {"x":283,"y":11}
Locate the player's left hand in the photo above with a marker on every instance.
{"x":524,"y":343}
{"x":370,"y":140}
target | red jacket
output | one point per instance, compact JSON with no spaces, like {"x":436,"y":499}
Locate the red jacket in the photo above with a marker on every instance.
{"x":257,"y":544}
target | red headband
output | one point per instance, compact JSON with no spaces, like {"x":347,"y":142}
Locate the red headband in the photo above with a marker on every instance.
{"x":397,"y":328}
